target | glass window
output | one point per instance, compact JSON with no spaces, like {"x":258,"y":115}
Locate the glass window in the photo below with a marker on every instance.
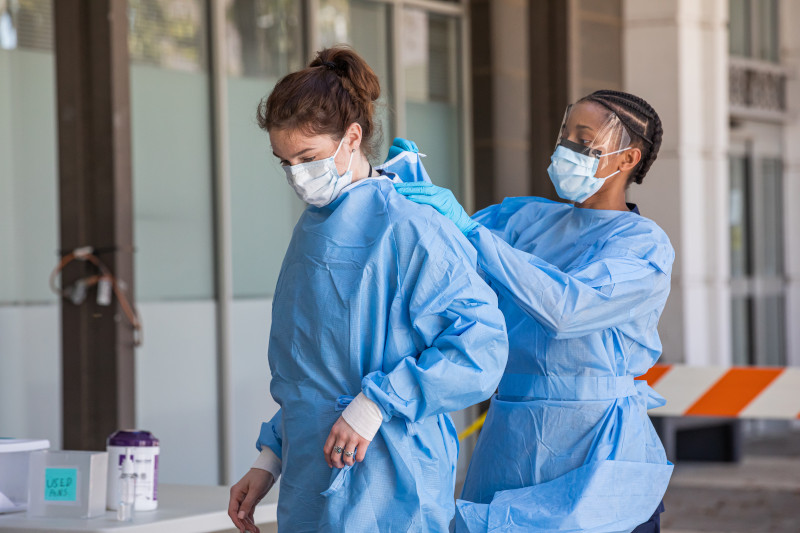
{"x":769,"y":240}
{"x":264,"y":43}
{"x":431,"y":67}
{"x":739,"y":214}
{"x":739,"y":27}
{"x":26,"y":24}
{"x":172,"y":163}
{"x":758,"y":314}
{"x":168,"y":33}
{"x":365,"y":26}
{"x":767,"y":20}
{"x":30,"y":340}
{"x":263,"y":38}
{"x":28,"y":158}
{"x":753,"y":29}
{"x":176,"y":367}
{"x":771,"y":317}
{"x":740,"y":328}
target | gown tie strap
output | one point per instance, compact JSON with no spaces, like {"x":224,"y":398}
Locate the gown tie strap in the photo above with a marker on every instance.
{"x":526,"y":387}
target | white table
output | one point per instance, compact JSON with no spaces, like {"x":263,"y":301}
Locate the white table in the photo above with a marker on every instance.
{"x":183,"y":508}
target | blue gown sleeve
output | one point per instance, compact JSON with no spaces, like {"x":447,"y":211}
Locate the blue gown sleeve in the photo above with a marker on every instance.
{"x":456,"y":321}
{"x":498,"y":217}
{"x":271,"y":434}
{"x":620,"y":282}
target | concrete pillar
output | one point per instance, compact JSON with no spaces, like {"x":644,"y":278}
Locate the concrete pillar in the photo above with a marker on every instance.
{"x":790,"y":57}
{"x":550,"y":64}
{"x":501,"y":99}
{"x":91,"y":38}
{"x":675,"y":56}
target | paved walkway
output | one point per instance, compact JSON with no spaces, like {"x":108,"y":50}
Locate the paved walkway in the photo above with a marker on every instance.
{"x":759,"y":494}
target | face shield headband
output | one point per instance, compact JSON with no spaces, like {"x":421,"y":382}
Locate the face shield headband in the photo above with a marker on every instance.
{"x":581,"y":133}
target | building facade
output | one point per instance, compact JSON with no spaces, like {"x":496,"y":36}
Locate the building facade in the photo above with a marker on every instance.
{"x":212,"y":212}
{"x":481,"y":86}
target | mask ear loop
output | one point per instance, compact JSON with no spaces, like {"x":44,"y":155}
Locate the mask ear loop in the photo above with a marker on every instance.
{"x":352,"y":153}
{"x":618,"y":151}
{"x":338,"y":148}
{"x":612,"y":153}
{"x":349,"y":163}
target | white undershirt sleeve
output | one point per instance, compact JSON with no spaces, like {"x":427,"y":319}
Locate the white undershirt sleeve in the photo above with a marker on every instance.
{"x":267,"y":460}
{"x":364,"y":416}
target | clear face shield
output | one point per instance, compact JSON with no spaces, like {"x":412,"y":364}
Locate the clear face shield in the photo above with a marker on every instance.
{"x":590,"y":129}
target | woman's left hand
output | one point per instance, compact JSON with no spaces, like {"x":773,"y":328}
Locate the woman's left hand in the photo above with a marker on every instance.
{"x":343,"y":440}
{"x":440,"y":199}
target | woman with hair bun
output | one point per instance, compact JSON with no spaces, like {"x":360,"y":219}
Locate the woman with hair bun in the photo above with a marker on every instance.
{"x":380,"y":324}
{"x":567,"y":444}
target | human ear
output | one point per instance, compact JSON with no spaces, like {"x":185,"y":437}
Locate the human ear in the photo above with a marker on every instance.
{"x":629,"y":159}
{"x":354,"y":136}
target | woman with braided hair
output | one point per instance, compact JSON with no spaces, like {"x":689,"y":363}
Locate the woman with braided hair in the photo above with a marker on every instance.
{"x":567,"y":444}
{"x":381,"y":324}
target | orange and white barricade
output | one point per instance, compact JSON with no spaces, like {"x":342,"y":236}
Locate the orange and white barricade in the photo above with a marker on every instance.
{"x":741,"y":392}
{"x":710,"y":391}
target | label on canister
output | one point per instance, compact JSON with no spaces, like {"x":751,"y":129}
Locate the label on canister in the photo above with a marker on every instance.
{"x":144,"y":450}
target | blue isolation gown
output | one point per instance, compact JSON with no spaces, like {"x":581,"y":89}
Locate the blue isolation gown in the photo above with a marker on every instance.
{"x":378,"y":294}
{"x":567,"y":444}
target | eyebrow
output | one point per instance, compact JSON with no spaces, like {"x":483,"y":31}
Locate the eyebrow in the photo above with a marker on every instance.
{"x":584,"y":127}
{"x":298,"y":154}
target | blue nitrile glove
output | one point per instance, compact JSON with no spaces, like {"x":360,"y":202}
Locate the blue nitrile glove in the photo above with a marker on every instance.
{"x":440,"y":199}
{"x":400,"y":145}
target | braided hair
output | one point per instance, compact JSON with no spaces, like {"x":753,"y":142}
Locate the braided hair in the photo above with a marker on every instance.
{"x":639,"y":119}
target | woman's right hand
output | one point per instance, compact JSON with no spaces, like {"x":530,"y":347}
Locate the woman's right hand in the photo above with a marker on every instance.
{"x":245,"y":495}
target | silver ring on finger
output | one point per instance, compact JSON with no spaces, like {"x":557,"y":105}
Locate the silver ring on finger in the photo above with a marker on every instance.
{"x":349,"y":454}
{"x":338,"y":449}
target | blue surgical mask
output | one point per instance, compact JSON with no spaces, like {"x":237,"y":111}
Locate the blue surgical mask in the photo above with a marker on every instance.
{"x":572,"y":174}
{"x":318,"y":182}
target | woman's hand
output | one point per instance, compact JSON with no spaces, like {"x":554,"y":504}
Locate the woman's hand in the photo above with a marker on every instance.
{"x":344,"y":445}
{"x":440,"y":199}
{"x":245,"y":495}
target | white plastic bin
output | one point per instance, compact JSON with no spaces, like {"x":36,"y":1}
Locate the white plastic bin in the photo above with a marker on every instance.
{"x":14,"y":460}
{"x":67,"y":484}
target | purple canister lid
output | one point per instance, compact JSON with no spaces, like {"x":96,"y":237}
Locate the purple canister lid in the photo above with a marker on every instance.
{"x":132,"y":437}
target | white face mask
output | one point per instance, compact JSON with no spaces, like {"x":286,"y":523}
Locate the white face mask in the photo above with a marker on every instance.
{"x":318,"y":182}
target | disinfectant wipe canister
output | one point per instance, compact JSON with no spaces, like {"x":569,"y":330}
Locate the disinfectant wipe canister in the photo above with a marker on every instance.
{"x":144,"y":448}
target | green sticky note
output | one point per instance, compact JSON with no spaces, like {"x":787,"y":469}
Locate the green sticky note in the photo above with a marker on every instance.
{"x":61,"y":484}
